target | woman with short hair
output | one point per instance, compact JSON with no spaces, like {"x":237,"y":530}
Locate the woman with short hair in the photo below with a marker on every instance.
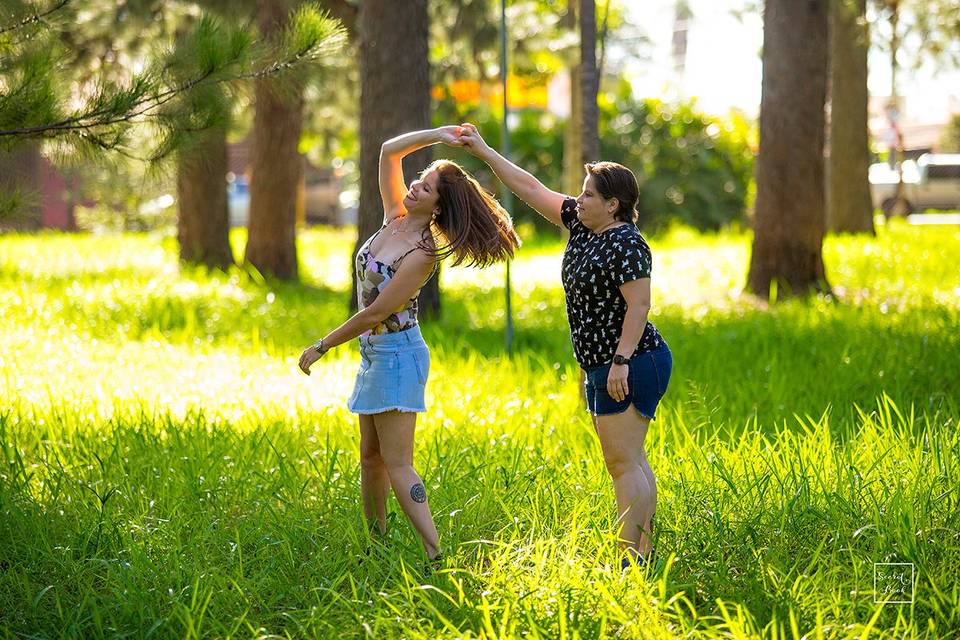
{"x":606,"y":282}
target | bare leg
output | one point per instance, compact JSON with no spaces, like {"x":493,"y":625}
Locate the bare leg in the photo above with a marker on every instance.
{"x":374,"y":483}
{"x":395,"y":430}
{"x":651,"y":482}
{"x":621,"y":438}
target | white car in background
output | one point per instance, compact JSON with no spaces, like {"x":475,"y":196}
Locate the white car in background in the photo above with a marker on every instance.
{"x":238,"y":201}
{"x":930,"y":182}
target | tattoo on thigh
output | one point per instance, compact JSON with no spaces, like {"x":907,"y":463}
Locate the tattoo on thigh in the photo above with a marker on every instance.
{"x":418,"y":493}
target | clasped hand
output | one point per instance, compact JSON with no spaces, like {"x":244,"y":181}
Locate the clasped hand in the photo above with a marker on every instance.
{"x":465,"y":135}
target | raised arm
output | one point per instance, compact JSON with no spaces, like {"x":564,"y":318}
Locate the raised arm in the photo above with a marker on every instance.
{"x":392,"y":185}
{"x":545,"y":201}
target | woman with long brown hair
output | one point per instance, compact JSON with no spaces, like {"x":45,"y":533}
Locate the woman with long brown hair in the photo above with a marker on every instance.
{"x":443,"y":213}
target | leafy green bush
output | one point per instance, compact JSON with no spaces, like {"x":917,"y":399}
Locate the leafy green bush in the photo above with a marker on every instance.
{"x":692,"y":167}
{"x":536,"y":144}
{"x":950,"y":143}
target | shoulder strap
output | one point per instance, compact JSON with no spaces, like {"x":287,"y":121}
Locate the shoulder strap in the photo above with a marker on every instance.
{"x":436,"y":263}
{"x":397,"y":261}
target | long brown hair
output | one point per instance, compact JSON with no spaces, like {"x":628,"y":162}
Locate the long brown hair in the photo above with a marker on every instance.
{"x":471,"y":224}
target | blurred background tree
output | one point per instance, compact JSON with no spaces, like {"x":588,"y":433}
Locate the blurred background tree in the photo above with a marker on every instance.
{"x":790,"y":216}
{"x":394,"y":98}
{"x":89,"y":80}
{"x":695,"y":169}
{"x":849,"y":206}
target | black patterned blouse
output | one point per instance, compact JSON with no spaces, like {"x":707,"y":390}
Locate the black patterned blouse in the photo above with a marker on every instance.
{"x":594,"y":267}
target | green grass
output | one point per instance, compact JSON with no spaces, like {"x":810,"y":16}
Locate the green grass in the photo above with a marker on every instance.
{"x":167,"y":472}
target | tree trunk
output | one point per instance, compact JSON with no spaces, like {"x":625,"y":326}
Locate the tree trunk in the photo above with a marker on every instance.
{"x":394,"y":99}
{"x":276,"y":164}
{"x":897,"y":153}
{"x":589,"y":83}
{"x":849,"y":208}
{"x":573,"y":137}
{"x":790,"y":217}
{"x":203,"y":223}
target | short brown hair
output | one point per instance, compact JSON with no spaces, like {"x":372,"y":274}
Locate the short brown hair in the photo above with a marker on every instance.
{"x":471,"y":223}
{"x":614,"y":180}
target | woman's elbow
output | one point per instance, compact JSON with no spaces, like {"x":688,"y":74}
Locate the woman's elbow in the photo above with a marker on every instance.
{"x":371,"y":317}
{"x":640,"y":308}
{"x":386,"y":149}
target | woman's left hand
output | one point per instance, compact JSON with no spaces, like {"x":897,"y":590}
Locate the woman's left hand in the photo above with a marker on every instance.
{"x":617,"y":387}
{"x":308,"y":357}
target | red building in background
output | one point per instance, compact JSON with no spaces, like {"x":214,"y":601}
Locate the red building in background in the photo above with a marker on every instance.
{"x":45,"y":198}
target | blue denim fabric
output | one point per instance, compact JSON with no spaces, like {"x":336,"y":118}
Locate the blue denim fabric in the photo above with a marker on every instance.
{"x":393,"y":373}
{"x":647,"y":381}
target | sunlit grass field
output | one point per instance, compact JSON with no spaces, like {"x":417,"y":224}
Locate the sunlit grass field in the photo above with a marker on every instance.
{"x":168,"y":472}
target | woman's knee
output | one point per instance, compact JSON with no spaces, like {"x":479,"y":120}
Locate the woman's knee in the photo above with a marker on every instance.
{"x":618,"y":463}
{"x":397,"y":464}
{"x":371,"y":458}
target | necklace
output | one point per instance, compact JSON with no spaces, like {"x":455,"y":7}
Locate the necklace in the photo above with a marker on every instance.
{"x":394,"y":232}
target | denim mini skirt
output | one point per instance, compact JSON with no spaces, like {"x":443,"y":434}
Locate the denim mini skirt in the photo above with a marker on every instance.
{"x":393,"y":373}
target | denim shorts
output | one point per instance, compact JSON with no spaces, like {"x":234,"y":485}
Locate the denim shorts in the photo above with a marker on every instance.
{"x":647,"y":380}
{"x":393,"y":373}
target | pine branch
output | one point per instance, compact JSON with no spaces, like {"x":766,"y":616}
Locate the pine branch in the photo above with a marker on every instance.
{"x":149,"y":103}
{"x":193,"y":74}
{"x":37,"y":17}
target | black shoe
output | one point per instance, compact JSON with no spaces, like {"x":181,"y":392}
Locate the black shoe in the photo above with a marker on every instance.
{"x":643,"y":562}
{"x":433,"y":564}
{"x":375,"y":541}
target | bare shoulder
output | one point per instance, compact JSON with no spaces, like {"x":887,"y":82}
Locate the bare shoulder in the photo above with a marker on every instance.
{"x":420,"y":257}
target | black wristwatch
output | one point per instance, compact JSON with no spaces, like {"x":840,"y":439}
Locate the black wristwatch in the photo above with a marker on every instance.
{"x":619,"y":359}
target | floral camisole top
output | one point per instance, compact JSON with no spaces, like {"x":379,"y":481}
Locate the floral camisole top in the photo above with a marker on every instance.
{"x":373,"y":277}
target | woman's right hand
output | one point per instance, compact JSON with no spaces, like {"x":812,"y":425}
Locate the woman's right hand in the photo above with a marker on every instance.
{"x":307,"y":358}
{"x":450,"y":135}
{"x":471,"y":140}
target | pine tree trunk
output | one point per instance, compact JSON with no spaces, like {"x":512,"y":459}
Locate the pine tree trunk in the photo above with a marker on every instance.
{"x":849,"y":208}
{"x":790,"y":216}
{"x":276,"y":164}
{"x":589,"y":83}
{"x":203,"y":224}
{"x":573,"y":136}
{"x":394,"y":99}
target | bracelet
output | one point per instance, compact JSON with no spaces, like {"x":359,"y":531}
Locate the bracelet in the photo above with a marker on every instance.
{"x":318,"y":347}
